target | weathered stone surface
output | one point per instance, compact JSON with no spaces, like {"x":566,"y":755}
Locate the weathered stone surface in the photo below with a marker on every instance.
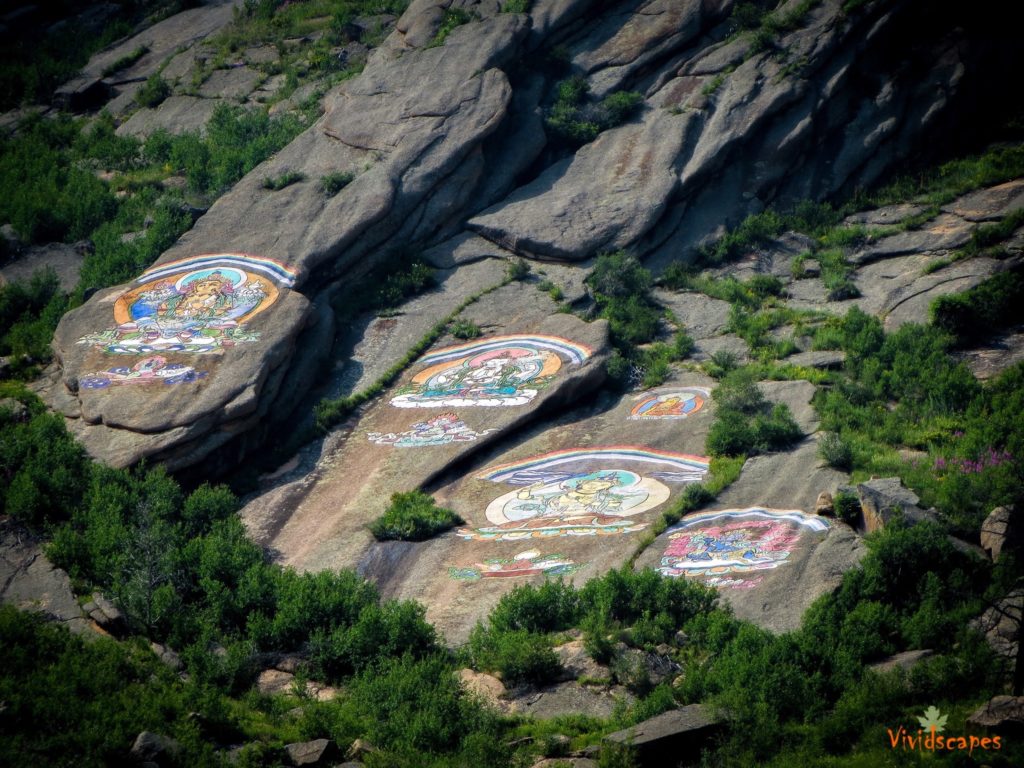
{"x":905,"y":661}
{"x":886,"y":497}
{"x":154,"y":748}
{"x":943,"y":233}
{"x":176,"y":115}
{"x":606,"y":197}
{"x":1002,"y":714}
{"x":30,"y":582}
{"x":486,"y":687}
{"x":577,"y":663}
{"x":823,"y":505}
{"x":990,"y":204}
{"x":998,"y":531}
{"x":274,"y":681}
{"x":570,"y":698}
{"x":661,"y":739}
{"x":235,"y":83}
{"x":1001,"y":624}
{"x":63,"y":258}
{"x":701,"y":316}
{"x":996,"y":355}
{"x":162,"y":40}
{"x":167,"y":656}
{"x":628,"y":38}
{"x":318,"y":752}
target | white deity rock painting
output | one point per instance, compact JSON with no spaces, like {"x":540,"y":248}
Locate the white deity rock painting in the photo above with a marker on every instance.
{"x":199,"y":304}
{"x":496,"y":371}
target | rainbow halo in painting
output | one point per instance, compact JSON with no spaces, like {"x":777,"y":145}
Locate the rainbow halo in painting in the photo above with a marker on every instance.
{"x":528,"y":563}
{"x":728,"y":547}
{"x":675,"y":404}
{"x":496,"y":371}
{"x":582,"y":492}
{"x":197,"y":304}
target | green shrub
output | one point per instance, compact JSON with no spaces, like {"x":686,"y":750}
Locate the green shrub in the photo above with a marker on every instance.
{"x":551,"y":607}
{"x":464,"y":329}
{"x":835,"y":451}
{"x":332,"y":183}
{"x":745,"y":422}
{"x":153,"y":92}
{"x":987,"y":308}
{"x":517,"y":269}
{"x":576,"y":121}
{"x":413,"y":516}
{"x":286,"y":179}
{"x":518,"y":655}
{"x":453,"y":17}
{"x":516,"y":6}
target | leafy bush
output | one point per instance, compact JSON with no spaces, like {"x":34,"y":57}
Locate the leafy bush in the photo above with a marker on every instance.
{"x":977,"y":313}
{"x":517,"y":655}
{"x":835,"y":451}
{"x":745,"y":422}
{"x":153,"y":92}
{"x":332,"y":183}
{"x":551,"y":607}
{"x":577,"y":121}
{"x":413,"y":516}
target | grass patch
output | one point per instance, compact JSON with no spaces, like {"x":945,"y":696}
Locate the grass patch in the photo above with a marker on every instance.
{"x":413,"y":516}
{"x":453,"y":18}
{"x":286,"y":179}
{"x":332,"y":183}
{"x":125,"y":61}
{"x":464,"y":329}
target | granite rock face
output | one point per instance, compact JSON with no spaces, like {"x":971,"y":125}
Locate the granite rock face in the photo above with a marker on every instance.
{"x":450,"y":156}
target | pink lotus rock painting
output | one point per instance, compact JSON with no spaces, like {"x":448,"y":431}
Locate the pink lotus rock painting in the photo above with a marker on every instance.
{"x":731,"y":547}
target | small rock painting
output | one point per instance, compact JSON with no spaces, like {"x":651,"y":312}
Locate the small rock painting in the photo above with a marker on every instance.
{"x":149,"y":370}
{"x":528,"y":563}
{"x":677,"y":404}
{"x":442,"y":429}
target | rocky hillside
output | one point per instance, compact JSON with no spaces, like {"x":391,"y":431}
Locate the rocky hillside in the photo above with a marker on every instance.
{"x":445,"y":139}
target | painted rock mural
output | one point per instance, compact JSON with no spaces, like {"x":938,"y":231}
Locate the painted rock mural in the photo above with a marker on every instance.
{"x":675,"y":404}
{"x":497,"y":371}
{"x":199,"y":304}
{"x":730,"y":548}
{"x":528,"y":563}
{"x":442,"y":429}
{"x":583,"y":492}
{"x":149,"y":370}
